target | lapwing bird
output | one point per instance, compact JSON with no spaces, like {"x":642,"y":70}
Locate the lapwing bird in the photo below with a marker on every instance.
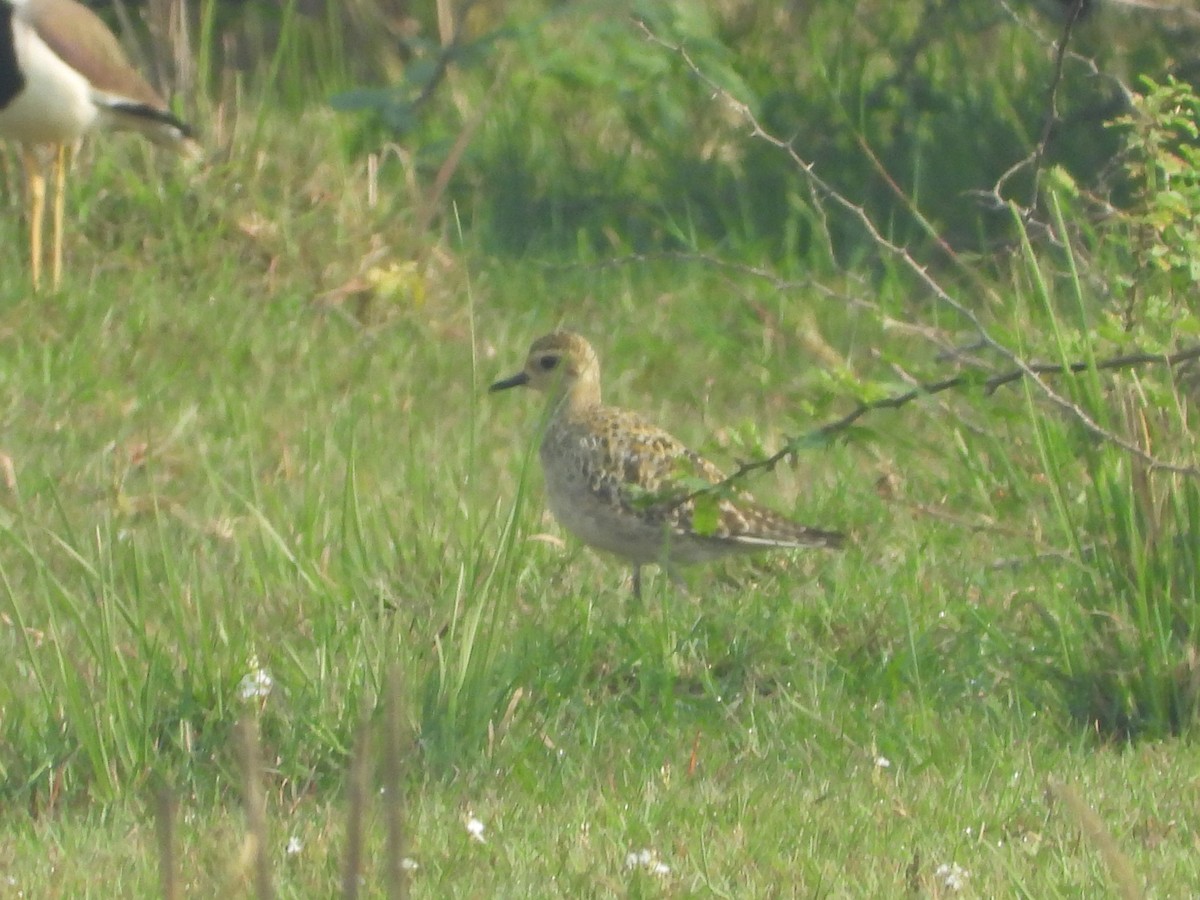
{"x":623,"y":485}
{"x":63,"y":74}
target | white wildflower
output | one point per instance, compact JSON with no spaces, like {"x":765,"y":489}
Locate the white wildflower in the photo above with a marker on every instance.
{"x":294,"y":846}
{"x":646,"y":859}
{"x":408,"y":864}
{"x":882,"y":762}
{"x":952,"y":876}
{"x":475,"y":829}
{"x":257,"y":683}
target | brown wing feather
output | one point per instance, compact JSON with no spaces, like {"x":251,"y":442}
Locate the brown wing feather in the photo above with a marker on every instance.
{"x":86,"y":45}
{"x":643,"y":469}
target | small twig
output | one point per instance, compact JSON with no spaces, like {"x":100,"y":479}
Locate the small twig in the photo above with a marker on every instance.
{"x":844,"y":299}
{"x":393,"y":769}
{"x":1166,"y":9}
{"x":1052,"y":118}
{"x":356,"y":810}
{"x":1126,"y":883}
{"x":450,"y":49}
{"x":431,"y":202}
{"x":255,"y":801}
{"x":164,"y":827}
{"x":1036,"y":157}
{"x":1050,"y":556}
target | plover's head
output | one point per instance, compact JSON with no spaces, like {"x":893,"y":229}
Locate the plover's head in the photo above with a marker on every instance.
{"x":559,"y":364}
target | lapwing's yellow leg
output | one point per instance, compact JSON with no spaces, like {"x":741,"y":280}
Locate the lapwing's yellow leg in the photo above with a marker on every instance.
{"x":62,"y":160}
{"x":35,"y":184}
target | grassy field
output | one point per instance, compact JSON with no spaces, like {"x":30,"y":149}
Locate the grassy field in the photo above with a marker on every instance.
{"x":249,"y":472}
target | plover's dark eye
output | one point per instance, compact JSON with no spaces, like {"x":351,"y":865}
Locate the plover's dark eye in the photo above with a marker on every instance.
{"x":548,"y":362}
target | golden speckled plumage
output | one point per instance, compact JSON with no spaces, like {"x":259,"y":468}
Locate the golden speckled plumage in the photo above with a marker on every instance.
{"x":623,"y":485}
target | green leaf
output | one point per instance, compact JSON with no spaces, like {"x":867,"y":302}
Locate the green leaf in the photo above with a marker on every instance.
{"x":706,"y":511}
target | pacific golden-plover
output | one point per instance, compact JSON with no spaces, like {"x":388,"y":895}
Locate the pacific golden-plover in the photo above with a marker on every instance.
{"x":623,"y":485}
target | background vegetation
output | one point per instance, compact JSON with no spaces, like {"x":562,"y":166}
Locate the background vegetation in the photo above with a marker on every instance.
{"x":280,"y":608}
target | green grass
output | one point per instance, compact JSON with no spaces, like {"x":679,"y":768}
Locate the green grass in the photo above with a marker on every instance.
{"x":252,"y":432}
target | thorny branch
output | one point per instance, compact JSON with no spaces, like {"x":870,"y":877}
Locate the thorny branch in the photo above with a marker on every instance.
{"x":987,"y":385}
{"x":1023,"y":369}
